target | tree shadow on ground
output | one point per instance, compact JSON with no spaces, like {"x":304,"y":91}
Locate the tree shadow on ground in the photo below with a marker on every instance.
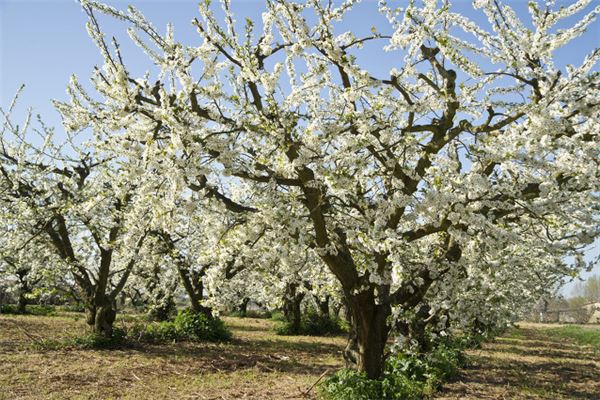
{"x":530,"y":367}
{"x":266,"y":355}
{"x":544,"y":352}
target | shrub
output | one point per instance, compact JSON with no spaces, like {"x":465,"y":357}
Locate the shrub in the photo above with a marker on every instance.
{"x":313,"y":324}
{"x":31,"y":309}
{"x":348,"y":384}
{"x":73,"y":307}
{"x":154,"y":333}
{"x":162,"y":311}
{"x":41,"y":310}
{"x":8,"y":309}
{"x":444,"y":361}
{"x":317,"y":324}
{"x":198,"y":326}
{"x":90,"y":341}
{"x":402,"y":387}
{"x":251,"y":314}
{"x":95,"y":341}
{"x":277,"y":316}
{"x":406,"y":376}
{"x":186,"y":326}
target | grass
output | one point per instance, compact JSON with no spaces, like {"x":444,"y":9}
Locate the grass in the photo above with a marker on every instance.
{"x":535,"y":361}
{"x":256,"y":363}
{"x":584,"y":336}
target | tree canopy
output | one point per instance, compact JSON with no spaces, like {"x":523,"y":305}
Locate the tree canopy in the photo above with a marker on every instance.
{"x":451,"y":190}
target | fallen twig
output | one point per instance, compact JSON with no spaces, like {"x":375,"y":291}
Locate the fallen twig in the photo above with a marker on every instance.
{"x":37,"y":340}
{"x":315,"y":384}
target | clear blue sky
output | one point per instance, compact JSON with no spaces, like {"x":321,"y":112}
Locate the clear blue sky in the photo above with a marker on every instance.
{"x":43,"y":42}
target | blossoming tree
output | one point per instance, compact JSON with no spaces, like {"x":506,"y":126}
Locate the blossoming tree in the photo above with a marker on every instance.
{"x":69,"y":209}
{"x":473,"y":142}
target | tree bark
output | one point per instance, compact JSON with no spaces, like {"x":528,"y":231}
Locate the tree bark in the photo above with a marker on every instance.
{"x":323,"y":305}
{"x":100,"y":317}
{"x":22,"y":303}
{"x":418,"y":329}
{"x":105,"y":317}
{"x":368,"y":334}
{"x":292,"y":307}
{"x":192,"y":283}
{"x":243,"y":307}
{"x":24,"y":289}
{"x":164,"y":308}
{"x":90,"y":315}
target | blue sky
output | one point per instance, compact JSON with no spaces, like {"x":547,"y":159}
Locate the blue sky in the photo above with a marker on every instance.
{"x":43,"y":42}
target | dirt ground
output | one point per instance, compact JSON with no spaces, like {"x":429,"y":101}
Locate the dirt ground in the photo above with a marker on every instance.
{"x":523,"y":364}
{"x":257,"y":364}
{"x":528,"y":363}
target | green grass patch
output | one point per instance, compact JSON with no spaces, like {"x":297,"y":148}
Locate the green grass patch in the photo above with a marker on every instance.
{"x":514,"y":333}
{"x":584,"y":336}
{"x":187,"y":326}
{"x":30,"y":309}
{"x":118,"y":340}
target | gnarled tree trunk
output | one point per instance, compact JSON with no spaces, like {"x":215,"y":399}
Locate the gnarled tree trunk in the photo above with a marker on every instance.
{"x":105,"y":317}
{"x":292,"y":307}
{"x":25,"y":288}
{"x":22,"y":303}
{"x":323,"y":305}
{"x":368,"y":334}
{"x":100,"y":317}
{"x":192,"y":283}
{"x":243,"y":307}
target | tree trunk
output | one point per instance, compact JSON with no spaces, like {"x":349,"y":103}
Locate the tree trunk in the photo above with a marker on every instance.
{"x":90,"y":315}
{"x":323,"y":305}
{"x":368,"y":334}
{"x":122,"y":299}
{"x":24,"y":289}
{"x":163,"y":310}
{"x":22,"y":303}
{"x":195,"y":290}
{"x":292,"y":307}
{"x":336,"y":309}
{"x":105,"y":317}
{"x":296,"y":314}
{"x":418,"y":332}
{"x":100,"y":318}
{"x":243,"y":307}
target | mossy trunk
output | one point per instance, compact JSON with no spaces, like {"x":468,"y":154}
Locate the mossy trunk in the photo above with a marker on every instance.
{"x":105,"y":317}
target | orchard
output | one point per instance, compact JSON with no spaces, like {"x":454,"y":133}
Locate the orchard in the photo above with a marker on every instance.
{"x":261,"y":167}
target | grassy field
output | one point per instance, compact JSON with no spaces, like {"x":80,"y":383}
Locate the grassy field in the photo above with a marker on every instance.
{"x":532,"y":362}
{"x":257,"y":364}
{"x":536,"y":361}
{"x":584,"y":335}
